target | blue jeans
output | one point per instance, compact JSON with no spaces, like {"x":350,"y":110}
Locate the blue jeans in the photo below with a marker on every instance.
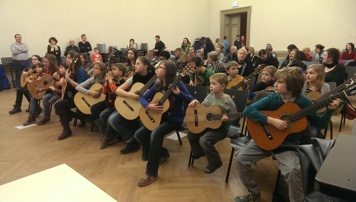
{"x":104,"y":116}
{"x":152,"y":142}
{"x":46,"y":104}
{"x":34,"y":106}
{"x":119,"y":125}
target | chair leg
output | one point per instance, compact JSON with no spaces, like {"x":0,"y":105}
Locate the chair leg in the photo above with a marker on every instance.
{"x":331,"y":130}
{"x":178,"y":135}
{"x":191,"y":159}
{"x":229,"y":167}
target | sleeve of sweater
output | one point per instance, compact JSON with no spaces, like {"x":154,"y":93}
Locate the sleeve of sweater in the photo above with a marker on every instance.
{"x":252,"y":111}
{"x":82,"y":87}
{"x":184,"y":94}
{"x":147,"y":96}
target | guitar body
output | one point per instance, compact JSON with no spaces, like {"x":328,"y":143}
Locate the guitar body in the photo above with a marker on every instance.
{"x":127,"y":107}
{"x":198,"y":118}
{"x":84,"y":102}
{"x":24,"y":78}
{"x":314,"y":96}
{"x":276,"y":138}
{"x":38,"y":88}
{"x":151,"y":119}
{"x":238,"y":81}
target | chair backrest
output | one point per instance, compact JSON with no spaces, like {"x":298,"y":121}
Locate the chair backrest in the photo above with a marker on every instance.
{"x":308,"y":63}
{"x":101,"y":47}
{"x":350,"y":70}
{"x":198,"y":92}
{"x":332,"y":85}
{"x":345,"y":62}
{"x":239,"y":97}
{"x":251,"y":83}
{"x":311,"y":157}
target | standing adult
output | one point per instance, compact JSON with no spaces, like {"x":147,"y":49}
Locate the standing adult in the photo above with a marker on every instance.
{"x":71,"y":47}
{"x":20,"y":57}
{"x":54,"y":49}
{"x":237,"y":42}
{"x":159,"y":46}
{"x":226,"y":45}
{"x":84,"y":45}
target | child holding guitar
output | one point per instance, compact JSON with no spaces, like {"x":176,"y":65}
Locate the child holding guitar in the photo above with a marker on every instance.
{"x":50,"y":62}
{"x":314,"y":86}
{"x":232,"y":69}
{"x":27,"y":74}
{"x":172,"y":119}
{"x":74,"y":76}
{"x":266,"y":82}
{"x":202,"y":144}
{"x":288,"y":86}
{"x":101,"y":111}
{"x":117,"y":124}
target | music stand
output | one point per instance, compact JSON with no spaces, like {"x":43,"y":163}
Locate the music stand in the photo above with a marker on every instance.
{"x":8,"y":62}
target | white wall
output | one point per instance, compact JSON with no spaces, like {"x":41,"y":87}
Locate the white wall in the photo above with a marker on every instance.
{"x":279,"y":22}
{"x":112,"y":22}
{"x":302,"y":22}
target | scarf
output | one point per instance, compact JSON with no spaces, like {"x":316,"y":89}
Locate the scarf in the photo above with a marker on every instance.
{"x":329,"y":65}
{"x":54,"y":48}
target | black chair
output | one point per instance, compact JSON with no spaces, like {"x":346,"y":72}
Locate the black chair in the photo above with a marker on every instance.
{"x":198,"y":92}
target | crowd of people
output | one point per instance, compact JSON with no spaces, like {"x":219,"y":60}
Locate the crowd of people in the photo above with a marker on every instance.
{"x":217,"y":66}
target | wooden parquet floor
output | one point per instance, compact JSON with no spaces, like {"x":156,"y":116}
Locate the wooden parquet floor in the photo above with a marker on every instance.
{"x":34,"y":149}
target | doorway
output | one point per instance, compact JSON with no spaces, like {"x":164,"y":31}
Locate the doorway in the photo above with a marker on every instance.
{"x":235,"y":22}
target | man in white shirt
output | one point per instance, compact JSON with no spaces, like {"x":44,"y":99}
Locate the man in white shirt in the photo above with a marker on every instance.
{"x":20,"y":57}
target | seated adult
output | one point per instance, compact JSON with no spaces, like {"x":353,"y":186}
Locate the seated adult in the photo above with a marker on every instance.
{"x":334,"y":72}
{"x":201,"y":75}
{"x":294,"y":60}
{"x":349,"y":53}
{"x":221,"y":55}
{"x":214,"y":63}
{"x":245,"y":66}
{"x":318,"y":53}
{"x":269,"y":48}
{"x":232,"y":56}
{"x":266,"y":59}
{"x":306,"y":52}
{"x":72,"y":47}
{"x":251,"y":56}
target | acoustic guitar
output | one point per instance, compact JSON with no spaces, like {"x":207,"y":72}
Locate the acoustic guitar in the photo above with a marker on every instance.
{"x":241,"y":83}
{"x":129,"y":108}
{"x":268,"y":137}
{"x":64,"y":87}
{"x":316,"y":96}
{"x":84,"y":102}
{"x":38,"y":88}
{"x":200,"y":117}
{"x":30,"y":76}
{"x":152,"y":119}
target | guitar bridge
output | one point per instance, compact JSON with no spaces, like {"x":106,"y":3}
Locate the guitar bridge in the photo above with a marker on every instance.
{"x":195,"y":117}
{"x":267,"y":133}
{"x":150,"y":116}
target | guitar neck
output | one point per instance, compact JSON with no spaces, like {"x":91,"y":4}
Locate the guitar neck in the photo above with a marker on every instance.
{"x":147,"y":85}
{"x":315,"y":107}
{"x":233,"y":115}
{"x":169,"y":90}
{"x":331,"y":92}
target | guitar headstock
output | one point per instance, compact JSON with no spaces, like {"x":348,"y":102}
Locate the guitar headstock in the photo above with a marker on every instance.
{"x":351,"y":90}
{"x":186,"y":70}
{"x":259,"y":69}
{"x":350,"y":81}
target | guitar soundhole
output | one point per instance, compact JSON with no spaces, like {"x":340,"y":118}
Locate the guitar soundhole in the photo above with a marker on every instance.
{"x":209,"y":116}
{"x":287,"y":118}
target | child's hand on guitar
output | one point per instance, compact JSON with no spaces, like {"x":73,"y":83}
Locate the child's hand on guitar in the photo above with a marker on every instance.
{"x":280,"y":124}
{"x":68,"y":73}
{"x":94,"y":93}
{"x":224,"y":118}
{"x":175,"y":90}
{"x":39,"y":78}
{"x":335,"y":104}
{"x":155,"y":107}
{"x":109,"y":76}
{"x":193,"y":103}
{"x":52,"y":88}
{"x":135,"y":96}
